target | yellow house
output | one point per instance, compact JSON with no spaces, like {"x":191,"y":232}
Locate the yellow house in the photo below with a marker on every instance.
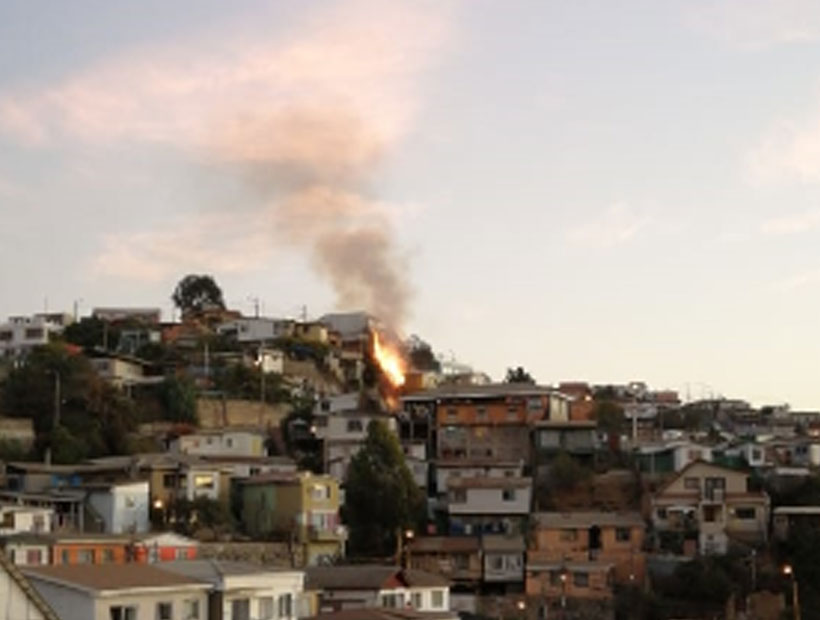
{"x":302,"y":507}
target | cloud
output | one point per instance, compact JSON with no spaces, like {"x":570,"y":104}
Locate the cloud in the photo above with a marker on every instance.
{"x":751,"y":25}
{"x":792,"y":224}
{"x":617,"y":225}
{"x":800,"y":280}
{"x":790,"y":151}
{"x":217,"y":242}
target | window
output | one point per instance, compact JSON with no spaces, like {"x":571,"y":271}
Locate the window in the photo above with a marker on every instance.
{"x":415,"y":600}
{"x":169,"y":481}
{"x":266,"y":609}
{"x":34,"y":333}
{"x":33,"y":556}
{"x":6,"y":336}
{"x":85,"y":556}
{"x":555,"y":577}
{"x":623,"y":534}
{"x":716,"y":483}
{"x":320,"y":421}
{"x":65,"y":557}
{"x":320,"y":491}
{"x":437,"y":599}
{"x":285,"y":606}
{"x":165,"y":611}
{"x":534,"y":404}
{"x":512,"y":413}
{"x":180,"y":553}
{"x":580,"y":580}
{"x":747,"y":512}
{"x":452,"y":414}
{"x":107,"y":556}
{"x":508,"y":495}
{"x":122,"y":612}
{"x":461,"y":560}
{"x":661,"y":512}
{"x":459,"y":496}
{"x":757,"y":454}
{"x":190,"y":609}
{"x":393,"y":600}
{"x":710,"y":514}
{"x":354,"y":426}
{"x":241,"y":609}
{"x":497,"y":562}
{"x":204,"y":482}
{"x":481,"y":414}
{"x":8,"y":520}
{"x":569,"y":535}
{"x":691,"y":483}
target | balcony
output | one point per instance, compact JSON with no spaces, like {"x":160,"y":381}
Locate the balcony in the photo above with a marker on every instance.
{"x":327,"y":534}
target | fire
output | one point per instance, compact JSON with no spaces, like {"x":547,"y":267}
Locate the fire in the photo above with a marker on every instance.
{"x":389,"y":360}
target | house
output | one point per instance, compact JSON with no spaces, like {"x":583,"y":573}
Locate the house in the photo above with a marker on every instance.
{"x":163,"y":547}
{"x":20,"y":601}
{"x":17,"y":519}
{"x":578,"y":438}
{"x":302,"y":507}
{"x":369,"y":585}
{"x":76,"y":549}
{"x":491,"y":505}
{"x":670,"y":457}
{"x":148,"y":316}
{"x":786,"y":518}
{"x":253,"y":330}
{"x":121,"y":507}
{"x":485,"y":421}
{"x":123,"y":371}
{"x":20,"y":334}
{"x":715,"y":502}
{"x":606,"y":545}
{"x":504,"y":559}
{"x":415,"y":457}
{"x":26,"y":549}
{"x":451,"y":469}
{"x":341,"y":424}
{"x":241,"y":591}
{"x":221,"y":442}
{"x":127,"y":592}
{"x":456,"y":558}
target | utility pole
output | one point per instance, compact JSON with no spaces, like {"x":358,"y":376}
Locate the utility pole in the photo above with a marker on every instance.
{"x":56,"y":421}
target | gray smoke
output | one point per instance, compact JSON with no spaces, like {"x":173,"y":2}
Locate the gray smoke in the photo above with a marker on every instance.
{"x":314,"y":165}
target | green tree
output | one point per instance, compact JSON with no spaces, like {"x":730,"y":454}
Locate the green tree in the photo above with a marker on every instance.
{"x":178,"y":396}
{"x":92,"y":332}
{"x":518,"y":375}
{"x":195,"y":293}
{"x":610,"y":416}
{"x":381,"y":497}
{"x":423,"y":358}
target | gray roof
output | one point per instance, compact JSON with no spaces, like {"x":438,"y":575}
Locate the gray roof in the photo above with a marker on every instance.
{"x":99,"y":577}
{"x":212,"y":571}
{"x":367,"y":577}
{"x":575,"y":520}
{"x":492,"y":390}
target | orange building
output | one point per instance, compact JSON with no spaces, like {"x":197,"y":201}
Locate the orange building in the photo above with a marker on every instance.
{"x":581,"y":554}
{"x":90,"y":549}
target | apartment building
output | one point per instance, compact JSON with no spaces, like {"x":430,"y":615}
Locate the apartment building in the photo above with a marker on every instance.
{"x":490,"y":505}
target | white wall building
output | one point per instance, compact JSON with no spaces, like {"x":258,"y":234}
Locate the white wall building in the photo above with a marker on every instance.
{"x":241,"y":443}
{"x":123,"y":507}
{"x":20,"y":334}
{"x":120,"y":592}
{"x":18,"y":601}
{"x":17,"y":519}
{"x":256,"y":329}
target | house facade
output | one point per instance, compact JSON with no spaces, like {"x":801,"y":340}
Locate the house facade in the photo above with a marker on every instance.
{"x":713,"y":503}
{"x":489,"y":505}
{"x":20,"y":601}
{"x":122,"y":507}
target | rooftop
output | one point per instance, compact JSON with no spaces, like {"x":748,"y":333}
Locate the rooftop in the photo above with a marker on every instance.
{"x":492,"y":390}
{"x":367,"y":577}
{"x":444,"y":544}
{"x":212,"y":571}
{"x":100,"y":577}
{"x":576,"y":520}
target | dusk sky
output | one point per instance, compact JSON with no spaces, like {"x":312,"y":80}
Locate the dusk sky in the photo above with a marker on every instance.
{"x":602,"y":191}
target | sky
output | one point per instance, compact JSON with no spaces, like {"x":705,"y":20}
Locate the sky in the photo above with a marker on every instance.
{"x":592,"y":190}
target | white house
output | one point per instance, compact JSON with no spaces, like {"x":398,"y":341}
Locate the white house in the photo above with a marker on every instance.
{"x":241,"y":591}
{"x":123,"y":507}
{"x":368,"y":585}
{"x":221,"y":442}
{"x":17,"y":519}
{"x":20,"y":334}
{"x":27,"y":549}
{"x":256,"y":329}
{"x":490,"y":505}
{"x":452,"y":469}
{"x":120,"y":592}
{"x":19,"y":600}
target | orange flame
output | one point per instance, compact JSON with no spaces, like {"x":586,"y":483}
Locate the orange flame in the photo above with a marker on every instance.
{"x":389,"y":361}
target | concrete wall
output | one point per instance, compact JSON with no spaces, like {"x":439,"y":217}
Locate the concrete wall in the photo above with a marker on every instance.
{"x":218,"y":413}
{"x":491,"y":501}
{"x":273,"y":553}
{"x":124,"y":507}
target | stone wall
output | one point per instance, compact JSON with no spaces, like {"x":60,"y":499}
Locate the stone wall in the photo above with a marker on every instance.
{"x":221,"y":413}
{"x":278,"y":554}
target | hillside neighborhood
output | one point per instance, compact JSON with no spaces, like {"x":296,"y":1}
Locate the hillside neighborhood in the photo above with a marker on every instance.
{"x":226,"y":466}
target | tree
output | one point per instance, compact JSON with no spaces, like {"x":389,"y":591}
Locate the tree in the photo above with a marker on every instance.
{"x":195,"y":293}
{"x":92,"y":332}
{"x":381,"y":497}
{"x":178,"y":396}
{"x":422,"y":356}
{"x":518,"y":375}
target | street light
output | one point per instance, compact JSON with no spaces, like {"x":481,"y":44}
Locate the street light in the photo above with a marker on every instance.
{"x":789,"y":572}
